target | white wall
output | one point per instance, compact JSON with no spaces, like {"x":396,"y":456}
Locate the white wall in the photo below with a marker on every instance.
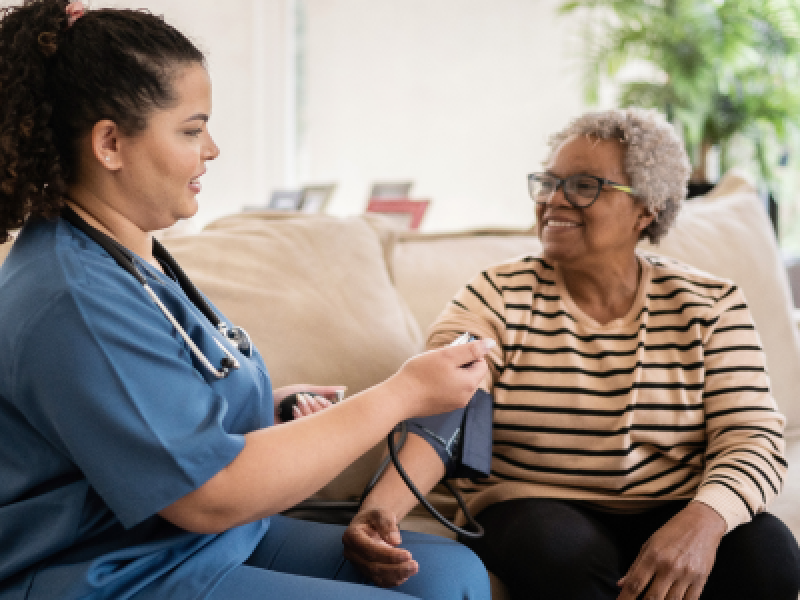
{"x":247,"y":44}
{"x":458,"y":95}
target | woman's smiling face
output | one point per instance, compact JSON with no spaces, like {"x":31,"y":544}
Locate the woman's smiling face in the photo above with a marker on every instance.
{"x":162,"y":164}
{"x":604,"y":232}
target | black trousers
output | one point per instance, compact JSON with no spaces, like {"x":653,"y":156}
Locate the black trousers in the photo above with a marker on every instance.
{"x":545,"y":549}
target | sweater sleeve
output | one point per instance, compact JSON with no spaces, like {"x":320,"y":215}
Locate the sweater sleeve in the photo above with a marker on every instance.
{"x":745,"y":465}
{"x":479,"y":309}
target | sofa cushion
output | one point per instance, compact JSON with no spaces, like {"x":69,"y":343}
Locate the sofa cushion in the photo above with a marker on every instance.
{"x":428,"y":269}
{"x":316,"y":298}
{"x":727,"y":233}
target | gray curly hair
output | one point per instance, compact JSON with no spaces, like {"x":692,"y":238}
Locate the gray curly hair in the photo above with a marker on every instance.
{"x":655,"y":159}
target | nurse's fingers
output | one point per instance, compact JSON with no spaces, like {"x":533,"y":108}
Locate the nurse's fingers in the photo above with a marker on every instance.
{"x":308,"y":404}
{"x":319,"y":403}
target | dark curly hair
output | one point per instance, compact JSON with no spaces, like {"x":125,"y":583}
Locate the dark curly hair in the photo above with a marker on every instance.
{"x":57,"y":81}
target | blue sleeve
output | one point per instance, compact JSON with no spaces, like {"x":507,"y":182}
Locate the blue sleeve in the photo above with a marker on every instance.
{"x":103,"y":376}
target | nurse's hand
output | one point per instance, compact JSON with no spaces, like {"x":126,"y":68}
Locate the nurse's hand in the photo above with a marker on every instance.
{"x":311,"y":398}
{"x":440,"y":380}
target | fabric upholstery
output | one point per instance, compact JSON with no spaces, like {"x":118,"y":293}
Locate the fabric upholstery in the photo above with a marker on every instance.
{"x":428,"y":269}
{"x":728,"y":234}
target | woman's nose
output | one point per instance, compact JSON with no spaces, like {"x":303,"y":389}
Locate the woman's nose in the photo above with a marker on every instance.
{"x":557,"y":198}
{"x":212,"y":150}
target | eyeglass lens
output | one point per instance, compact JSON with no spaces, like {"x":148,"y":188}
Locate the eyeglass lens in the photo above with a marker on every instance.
{"x":580,"y":190}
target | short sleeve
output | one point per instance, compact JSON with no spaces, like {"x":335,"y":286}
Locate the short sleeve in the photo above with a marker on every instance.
{"x":102,"y":375}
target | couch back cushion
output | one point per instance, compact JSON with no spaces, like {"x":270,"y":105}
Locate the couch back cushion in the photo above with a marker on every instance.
{"x":314,"y":294}
{"x":726,"y":234}
{"x":316,"y":298}
{"x":428,"y":269}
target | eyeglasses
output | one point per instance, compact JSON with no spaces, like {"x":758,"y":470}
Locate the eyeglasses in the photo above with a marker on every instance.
{"x":580,"y":190}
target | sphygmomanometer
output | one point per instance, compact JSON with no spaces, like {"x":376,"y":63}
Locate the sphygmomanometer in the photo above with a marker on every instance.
{"x":461,"y":438}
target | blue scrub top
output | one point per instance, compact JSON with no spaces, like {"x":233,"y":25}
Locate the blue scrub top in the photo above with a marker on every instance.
{"x":105,"y":419}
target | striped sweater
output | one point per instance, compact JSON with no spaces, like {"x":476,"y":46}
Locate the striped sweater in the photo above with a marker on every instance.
{"x":672,"y":401}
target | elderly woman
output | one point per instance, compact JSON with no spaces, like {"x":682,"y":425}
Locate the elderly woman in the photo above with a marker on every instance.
{"x":636,"y":442}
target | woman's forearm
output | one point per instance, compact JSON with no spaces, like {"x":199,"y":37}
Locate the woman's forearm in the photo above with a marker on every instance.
{"x":421,"y":463}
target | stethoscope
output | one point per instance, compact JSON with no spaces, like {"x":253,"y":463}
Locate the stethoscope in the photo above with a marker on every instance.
{"x":125,"y":259}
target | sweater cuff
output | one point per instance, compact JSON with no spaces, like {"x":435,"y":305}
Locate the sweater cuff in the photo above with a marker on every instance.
{"x":727,"y":504}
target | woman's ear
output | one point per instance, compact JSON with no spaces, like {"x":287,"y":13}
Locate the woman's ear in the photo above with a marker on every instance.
{"x":646,"y":216}
{"x":105,"y":144}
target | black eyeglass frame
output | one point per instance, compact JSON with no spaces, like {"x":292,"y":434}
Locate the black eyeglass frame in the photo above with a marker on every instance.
{"x":562,"y":183}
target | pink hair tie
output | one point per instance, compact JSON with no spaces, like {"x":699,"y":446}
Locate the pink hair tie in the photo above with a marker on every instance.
{"x":75,"y":11}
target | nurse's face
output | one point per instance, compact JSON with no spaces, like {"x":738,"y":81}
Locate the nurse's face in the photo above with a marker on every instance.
{"x":162,"y":165}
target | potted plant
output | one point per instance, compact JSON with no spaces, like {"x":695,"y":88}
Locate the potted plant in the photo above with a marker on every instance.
{"x":726,"y":72}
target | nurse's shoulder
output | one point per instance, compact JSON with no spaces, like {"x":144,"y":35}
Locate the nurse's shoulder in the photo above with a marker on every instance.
{"x":52,"y":263}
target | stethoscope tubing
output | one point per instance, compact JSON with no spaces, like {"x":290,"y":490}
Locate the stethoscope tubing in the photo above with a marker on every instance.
{"x":125,"y":259}
{"x":218,"y":373}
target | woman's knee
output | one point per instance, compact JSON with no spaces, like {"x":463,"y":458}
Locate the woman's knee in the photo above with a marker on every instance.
{"x":760,"y":559}
{"x":550,"y":546}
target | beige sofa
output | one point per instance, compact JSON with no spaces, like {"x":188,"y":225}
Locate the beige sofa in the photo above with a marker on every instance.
{"x":346,"y":300}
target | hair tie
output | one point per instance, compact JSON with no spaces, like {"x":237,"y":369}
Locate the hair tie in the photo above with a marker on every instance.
{"x":75,"y":10}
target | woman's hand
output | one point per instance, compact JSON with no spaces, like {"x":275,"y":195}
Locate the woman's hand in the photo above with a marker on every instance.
{"x":370,"y":543}
{"x":441,"y":380}
{"x":312,"y":398}
{"x":675,"y":562}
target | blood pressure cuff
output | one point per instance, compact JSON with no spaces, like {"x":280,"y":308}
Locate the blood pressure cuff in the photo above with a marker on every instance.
{"x":462,"y":438}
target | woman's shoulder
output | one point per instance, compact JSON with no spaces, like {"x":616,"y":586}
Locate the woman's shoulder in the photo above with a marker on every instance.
{"x":47,"y":253}
{"x":670,"y":277}
{"x":51,"y":262}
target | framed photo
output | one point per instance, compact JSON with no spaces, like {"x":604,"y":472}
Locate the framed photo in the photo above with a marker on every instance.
{"x":285,"y":200}
{"x":391,"y":189}
{"x":406,"y":213}
{"x":314,"y":198}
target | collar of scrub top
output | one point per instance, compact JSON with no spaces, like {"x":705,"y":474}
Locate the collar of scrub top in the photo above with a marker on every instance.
{"x":125,"y":259}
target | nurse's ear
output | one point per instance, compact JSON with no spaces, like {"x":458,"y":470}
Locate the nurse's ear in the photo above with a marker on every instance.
{"x":105,"y":138}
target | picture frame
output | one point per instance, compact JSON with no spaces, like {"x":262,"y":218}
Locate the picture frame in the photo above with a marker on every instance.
{"x":406,"y":213}
{"x":391,"y":189}
{"x":315,"y":198}
{"x":284,"y":200}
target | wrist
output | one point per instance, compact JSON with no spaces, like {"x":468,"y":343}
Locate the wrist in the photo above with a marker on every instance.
{"x":714,"y":522}
{"x":405,"y":393}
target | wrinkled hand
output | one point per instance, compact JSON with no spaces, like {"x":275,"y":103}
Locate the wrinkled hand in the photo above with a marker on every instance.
{"x":307,"y":403}
{"x":677,"y":559}
{"x":370,"y":543}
